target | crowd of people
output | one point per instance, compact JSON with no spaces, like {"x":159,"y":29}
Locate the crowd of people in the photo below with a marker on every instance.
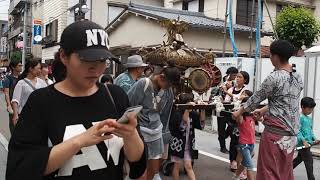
{"x":66,"y":127}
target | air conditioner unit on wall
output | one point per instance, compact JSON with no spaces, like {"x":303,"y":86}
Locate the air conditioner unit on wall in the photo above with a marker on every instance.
{"x":47,"y":40}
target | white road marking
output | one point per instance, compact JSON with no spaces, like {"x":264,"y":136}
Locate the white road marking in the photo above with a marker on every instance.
{"x":217,"y":157}
{"x":214,"y":156}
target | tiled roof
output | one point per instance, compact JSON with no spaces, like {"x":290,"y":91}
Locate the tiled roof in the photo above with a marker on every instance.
{"x":195,"y":19}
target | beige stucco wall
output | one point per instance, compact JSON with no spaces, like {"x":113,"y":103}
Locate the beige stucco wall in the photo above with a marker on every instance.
{"x":212,"y":8}
{"x":267,"y":25}
{"x":100,"y":8}
{"x":215,"y":9}
{"x":53,"y":8}
{"x":316,"y":3}
{"x":197,"y":38}
{"x":136,"y":31}
{"x":305,"y":2}
{"x":48,"y":53}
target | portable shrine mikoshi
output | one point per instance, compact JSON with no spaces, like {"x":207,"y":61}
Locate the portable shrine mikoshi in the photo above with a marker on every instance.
{"x":203,"y":73}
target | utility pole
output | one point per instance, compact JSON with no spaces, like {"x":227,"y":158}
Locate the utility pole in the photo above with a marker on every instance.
{"x":24,"y":35}
{"x":253,"y":9}
{"x":225,"y":31}
{"x":274,"y":29}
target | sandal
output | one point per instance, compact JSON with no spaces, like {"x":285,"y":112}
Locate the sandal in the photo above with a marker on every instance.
{"x":233,"y":166}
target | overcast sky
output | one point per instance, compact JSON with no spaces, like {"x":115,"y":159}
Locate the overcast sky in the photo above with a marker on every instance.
{"x":4,"y":6}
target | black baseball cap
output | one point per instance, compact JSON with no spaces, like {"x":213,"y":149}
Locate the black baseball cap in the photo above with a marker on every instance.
{"x":88,"y":39}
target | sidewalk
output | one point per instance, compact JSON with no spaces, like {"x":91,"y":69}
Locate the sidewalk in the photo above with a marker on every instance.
{"x":316,"y":151}
{"x":3,"y":161}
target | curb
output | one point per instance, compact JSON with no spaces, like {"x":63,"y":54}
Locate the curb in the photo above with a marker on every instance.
{"x":315,"y":151}
{"x":4,"y":142}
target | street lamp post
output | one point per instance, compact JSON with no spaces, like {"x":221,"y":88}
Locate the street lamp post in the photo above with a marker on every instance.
{"x":81,"y":10}
{"x":24,"y":35}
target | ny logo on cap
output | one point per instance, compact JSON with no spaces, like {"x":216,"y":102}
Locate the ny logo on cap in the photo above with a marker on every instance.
{"x":92,"y":37}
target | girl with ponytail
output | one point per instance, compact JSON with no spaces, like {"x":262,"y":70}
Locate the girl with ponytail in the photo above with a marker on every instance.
{"x":28,"y":82}
{"x":58,"y":68}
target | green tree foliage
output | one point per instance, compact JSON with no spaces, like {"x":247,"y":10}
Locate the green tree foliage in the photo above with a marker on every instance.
{"x":16,"y":56}
{"x":297,"y":25}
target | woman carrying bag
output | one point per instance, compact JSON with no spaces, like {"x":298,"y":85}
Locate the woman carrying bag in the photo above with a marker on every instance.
{"x":28,"y":82}
{"x":69,"y":130}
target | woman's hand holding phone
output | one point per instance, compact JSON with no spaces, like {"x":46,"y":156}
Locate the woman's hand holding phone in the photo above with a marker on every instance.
{"x":125,"y":126}
{"x":128,"y":129}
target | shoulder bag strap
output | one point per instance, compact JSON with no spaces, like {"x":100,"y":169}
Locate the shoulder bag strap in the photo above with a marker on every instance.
{"x":26,"y":81}
{"x":111,"y":98}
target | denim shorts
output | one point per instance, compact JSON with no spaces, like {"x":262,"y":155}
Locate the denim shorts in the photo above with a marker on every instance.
{"x":246,"y":151}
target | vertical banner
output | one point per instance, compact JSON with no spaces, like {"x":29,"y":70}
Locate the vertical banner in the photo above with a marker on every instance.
{"x":37,"y":31}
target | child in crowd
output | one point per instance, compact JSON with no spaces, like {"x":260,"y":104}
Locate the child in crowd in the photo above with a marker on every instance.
{"x":245,"y":94}
{"x":306,"y":137}
{"x":106,"y":79}
{"x":246,"y":142}
{"x":182,"y":145}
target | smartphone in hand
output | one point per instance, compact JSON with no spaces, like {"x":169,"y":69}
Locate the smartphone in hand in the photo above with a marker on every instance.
{"x":124,"y":119}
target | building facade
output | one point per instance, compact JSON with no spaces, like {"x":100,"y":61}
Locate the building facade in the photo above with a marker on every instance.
{"x":3,"y":40}
{"x":242,"y":11}
{"x":54,"y":21}
{"x":15,"y":26}
{"x":36,"y":27}
{"x":58,"y":14}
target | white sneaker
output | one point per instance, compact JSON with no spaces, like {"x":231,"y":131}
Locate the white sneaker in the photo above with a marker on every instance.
{"x":157,"y":177}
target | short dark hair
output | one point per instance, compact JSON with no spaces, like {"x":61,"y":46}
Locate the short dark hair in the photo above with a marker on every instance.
{"x":106,"y":78}
{"x":14,"y":63}
{"x":232,"y":70}
{"x":148,"y":68}
{"x":44,"y":65}
{"x":171,"y":73}
{"x":32,"y":63}
{"x":249,"y":93}
{"x":184,"y":98}
{"x":308,"y":102}
{"x":59,"y":71}
{"x":246,"y":76}
{"x":283,"y":48}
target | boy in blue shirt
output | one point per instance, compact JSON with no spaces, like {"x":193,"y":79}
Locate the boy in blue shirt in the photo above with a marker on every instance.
{"x":306,"y":137}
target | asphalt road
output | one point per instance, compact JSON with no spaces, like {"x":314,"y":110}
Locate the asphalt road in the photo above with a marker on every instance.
{"x":211,"y":165}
